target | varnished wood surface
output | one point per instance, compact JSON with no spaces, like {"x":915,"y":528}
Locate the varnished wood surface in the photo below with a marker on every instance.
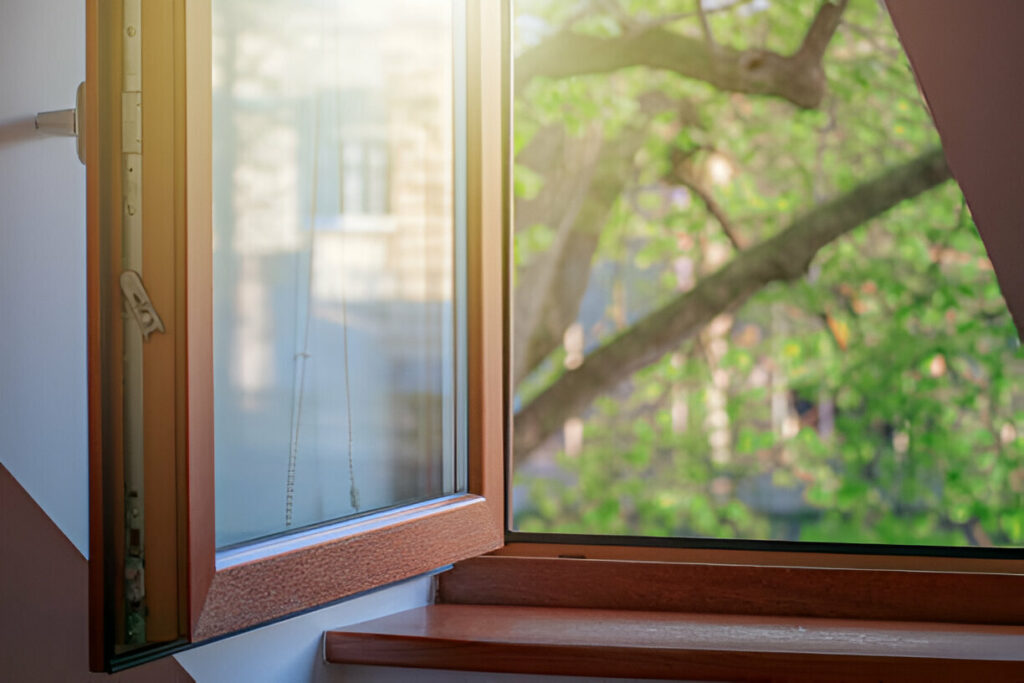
{"x":357,"y":559}
{"x":737,"y":589}
{"x":159,"y":260}
{"x":198,"y":179}
{"x":229,"y":598}
{"x":486,"y":178}
{"x":214,"y":597}
{"x":97,"y":592}
{"x":675,"y":646}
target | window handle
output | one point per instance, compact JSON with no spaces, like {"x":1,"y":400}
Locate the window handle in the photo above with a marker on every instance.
{"x":68,"y":122}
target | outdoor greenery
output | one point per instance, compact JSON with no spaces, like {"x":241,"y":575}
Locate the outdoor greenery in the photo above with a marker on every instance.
{"x":742,"y":263}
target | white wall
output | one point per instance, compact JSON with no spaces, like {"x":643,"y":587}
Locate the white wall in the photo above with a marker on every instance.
{"x":297,"y":644}
{"x":42,"y":262}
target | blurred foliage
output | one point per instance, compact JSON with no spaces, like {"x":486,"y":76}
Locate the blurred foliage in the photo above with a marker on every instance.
{"x":875,"y":400}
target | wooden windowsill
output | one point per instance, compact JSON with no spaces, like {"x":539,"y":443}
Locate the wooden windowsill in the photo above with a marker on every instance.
{"x":754,"y":590}
{"x":679,"y":620}
{"x":671,"y":645}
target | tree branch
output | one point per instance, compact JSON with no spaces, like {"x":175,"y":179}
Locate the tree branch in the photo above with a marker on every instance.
{"x":705,"y":27}
{"x":798,"y":78}
{"x":678,"y":16}
{"x":783,"y":257}
{"x":824,"y":26}
{"x":678,"y":175}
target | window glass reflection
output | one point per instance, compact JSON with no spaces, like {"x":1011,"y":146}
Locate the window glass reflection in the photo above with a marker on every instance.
{"x":333,"y":259}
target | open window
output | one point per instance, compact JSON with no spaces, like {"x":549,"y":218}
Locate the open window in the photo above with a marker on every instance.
{"x":329,"y":152}
{"x":296,"y":352}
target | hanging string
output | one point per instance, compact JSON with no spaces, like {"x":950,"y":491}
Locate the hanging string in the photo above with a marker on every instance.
{"x":303,"y":356}
{"x":353,"y":490}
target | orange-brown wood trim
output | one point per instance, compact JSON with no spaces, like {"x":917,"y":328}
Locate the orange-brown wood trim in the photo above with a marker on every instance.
{"x":486,"y":178}
{"x":398,"y":546}
{"x":738,"y":589}
{"x":159,"y":228}
{"x":97,"y":594}
{"x":590,"y":642}
{"x":198,"y":180}
{"x":177,"y":180}
{"x":427,"y":537}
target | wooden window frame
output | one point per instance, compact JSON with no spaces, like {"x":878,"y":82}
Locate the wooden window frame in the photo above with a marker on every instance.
{"x":202,"y":594}
{"x":432,"y":535}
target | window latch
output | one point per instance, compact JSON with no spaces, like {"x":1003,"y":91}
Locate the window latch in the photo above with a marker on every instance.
{"x":139,"y":304}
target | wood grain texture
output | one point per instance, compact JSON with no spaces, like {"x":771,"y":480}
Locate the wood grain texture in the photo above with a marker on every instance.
{"x":737,"y":589}
{"x":360,"y":557}
{"x":565,"y":641}
{"x":394,"y":547}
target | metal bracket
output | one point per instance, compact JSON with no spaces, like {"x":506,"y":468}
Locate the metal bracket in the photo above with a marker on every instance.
{"x":66,"y":122}
{"x":139,"y":304}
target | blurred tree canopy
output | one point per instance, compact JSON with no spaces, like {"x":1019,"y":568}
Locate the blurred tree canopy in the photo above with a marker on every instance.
{"x":749,"y":300}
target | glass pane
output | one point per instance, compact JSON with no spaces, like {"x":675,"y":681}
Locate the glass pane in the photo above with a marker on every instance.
{"x":749,"y":301}
{"x":334,"y":241}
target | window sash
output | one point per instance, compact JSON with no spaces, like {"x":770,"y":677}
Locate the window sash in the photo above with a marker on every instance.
{"x":205,"y":591}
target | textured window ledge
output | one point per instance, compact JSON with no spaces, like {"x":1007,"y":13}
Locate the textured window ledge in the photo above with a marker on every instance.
{"x":669,"y":645}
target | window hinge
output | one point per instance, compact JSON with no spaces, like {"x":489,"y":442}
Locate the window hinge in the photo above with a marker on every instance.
{"x":134,"y":573}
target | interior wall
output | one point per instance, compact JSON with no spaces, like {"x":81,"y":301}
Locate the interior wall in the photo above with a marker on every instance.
{"x":44,"y":601}
{"x":43,"y":419}
{"x":42,"y":262}
{"x":966,"y":56}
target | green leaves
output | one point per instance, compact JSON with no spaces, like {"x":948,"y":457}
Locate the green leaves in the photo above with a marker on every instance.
{"x":875,"y":400}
